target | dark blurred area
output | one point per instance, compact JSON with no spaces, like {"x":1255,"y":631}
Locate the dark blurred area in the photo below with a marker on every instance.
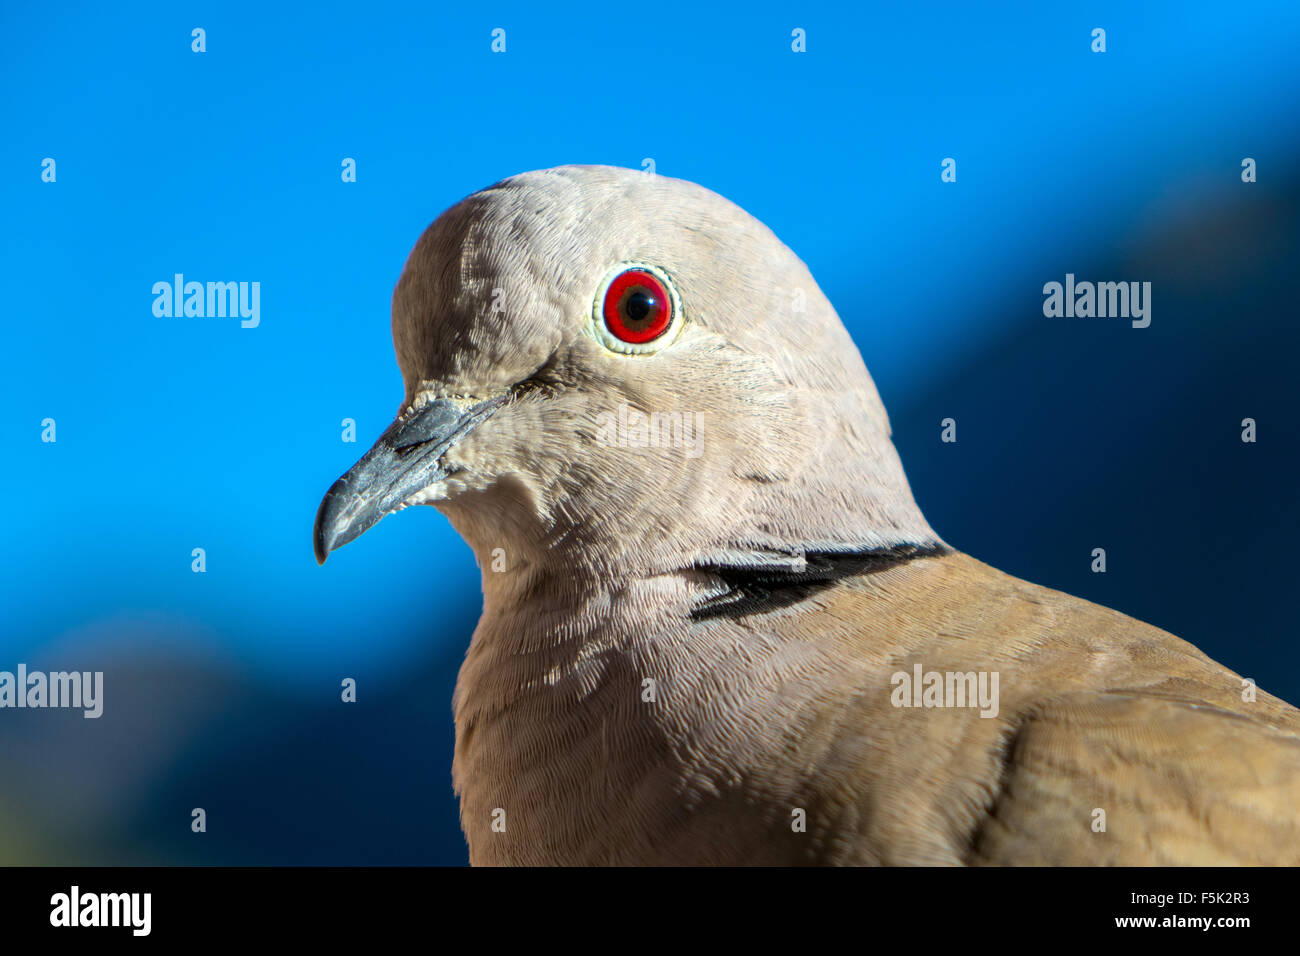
{"x":283,"y":780}
{"x":1079,"y":433}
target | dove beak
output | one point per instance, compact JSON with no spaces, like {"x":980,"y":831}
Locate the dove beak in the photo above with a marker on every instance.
{"x":406,"y":460}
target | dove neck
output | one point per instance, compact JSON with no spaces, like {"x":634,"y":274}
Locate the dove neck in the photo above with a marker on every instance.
{"x":528,"y":562}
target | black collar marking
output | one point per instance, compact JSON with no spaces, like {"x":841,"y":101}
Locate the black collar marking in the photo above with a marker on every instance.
{"x":760,"y":588}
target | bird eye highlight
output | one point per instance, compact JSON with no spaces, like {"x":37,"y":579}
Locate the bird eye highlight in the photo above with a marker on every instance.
{"x":636,"y":310}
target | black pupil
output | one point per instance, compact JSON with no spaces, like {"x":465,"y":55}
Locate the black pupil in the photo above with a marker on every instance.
{"x":640,"y":305}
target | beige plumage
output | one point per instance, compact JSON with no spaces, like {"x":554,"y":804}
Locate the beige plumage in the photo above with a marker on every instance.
{"x":690,"y":646}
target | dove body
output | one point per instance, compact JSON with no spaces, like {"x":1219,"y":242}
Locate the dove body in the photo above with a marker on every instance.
{"x":689,"y":659}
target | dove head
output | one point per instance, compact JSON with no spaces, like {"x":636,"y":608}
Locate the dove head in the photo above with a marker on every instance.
{"x":615,"y":372}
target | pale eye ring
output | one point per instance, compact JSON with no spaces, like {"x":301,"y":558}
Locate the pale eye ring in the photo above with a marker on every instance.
{"x":636,"y":310}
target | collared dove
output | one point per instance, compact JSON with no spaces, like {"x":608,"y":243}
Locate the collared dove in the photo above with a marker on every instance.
{"x":717,"y":628}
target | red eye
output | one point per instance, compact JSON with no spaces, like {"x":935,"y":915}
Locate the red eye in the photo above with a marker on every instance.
{"x":637,"y":307}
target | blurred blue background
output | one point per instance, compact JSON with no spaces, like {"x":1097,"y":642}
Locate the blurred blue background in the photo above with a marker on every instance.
{"x":222,"y":688}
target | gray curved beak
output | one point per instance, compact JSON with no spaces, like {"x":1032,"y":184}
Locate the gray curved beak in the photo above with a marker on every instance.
{"x":406,"y":460}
